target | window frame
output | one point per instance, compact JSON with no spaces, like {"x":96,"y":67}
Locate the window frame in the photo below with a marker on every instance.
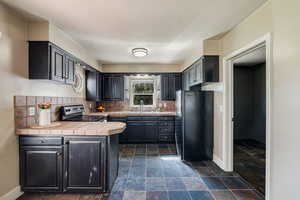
{"x":133,"y":81}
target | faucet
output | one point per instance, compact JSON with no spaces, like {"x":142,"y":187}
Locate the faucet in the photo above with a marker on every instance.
{"x":141,"y":105}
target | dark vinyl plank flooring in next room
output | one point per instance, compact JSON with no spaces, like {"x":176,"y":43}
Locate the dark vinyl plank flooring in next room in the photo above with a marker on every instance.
{"x":154,"y":172}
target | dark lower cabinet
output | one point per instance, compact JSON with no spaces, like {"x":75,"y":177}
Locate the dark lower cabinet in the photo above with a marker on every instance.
{"x":150,"y":130}
{"x":135,"y":131}
{"x":41,"y":168}
{"x":151,"y":134}
{"x":84,"y":164}
{"x":123,"y":137}
{"x":87,"y":164}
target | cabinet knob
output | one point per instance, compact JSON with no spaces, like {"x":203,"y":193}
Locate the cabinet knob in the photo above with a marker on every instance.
{"x":58,"y":153}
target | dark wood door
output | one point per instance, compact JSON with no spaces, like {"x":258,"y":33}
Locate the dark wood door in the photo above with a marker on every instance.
{"x":135,"y":131}
{"x":118,"y":88}
{"x":57,"y":64}
{"x":172,"y":87}
{"x":84,"y":164}
{"x":93,"y":85}
{"x":165,"y":87}
{"x":41,"y":168}
{"x":107,"y":88}
{"x":151,"y":131}
{"x":70,"y":70}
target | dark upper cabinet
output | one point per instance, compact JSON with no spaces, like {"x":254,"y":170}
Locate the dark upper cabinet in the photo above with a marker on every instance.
{"x":58,"y":66}
{"x":93,"y":85}
{"x":170,"y":83}
{"x":48,"y":61}
{"x":70,"y":69}
{"x":205,"y":69}
{"x":41,"y":168}
{"x":113,"y":87}
{"x":210,"y":68}
{"x":84,"y":164}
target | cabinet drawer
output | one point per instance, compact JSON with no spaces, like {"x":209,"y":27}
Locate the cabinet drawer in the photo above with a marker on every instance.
{"x":166,"y":129}
{"x":166,"y":118}
{"x":166,"y":123}
{"x":166,"y":137}
{"x":41,"y":141}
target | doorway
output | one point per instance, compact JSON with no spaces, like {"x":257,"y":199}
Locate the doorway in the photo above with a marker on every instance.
{"x":249,"y":117}
{"x":227,"y":163}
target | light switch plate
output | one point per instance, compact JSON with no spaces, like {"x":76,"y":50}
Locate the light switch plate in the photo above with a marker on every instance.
{"x":31,"y":111}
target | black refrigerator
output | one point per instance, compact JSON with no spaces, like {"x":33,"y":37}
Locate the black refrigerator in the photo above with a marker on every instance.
{"x":194,"y":125}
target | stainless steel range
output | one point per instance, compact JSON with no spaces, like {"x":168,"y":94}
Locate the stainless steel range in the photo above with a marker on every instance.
{"x":75,"y":113}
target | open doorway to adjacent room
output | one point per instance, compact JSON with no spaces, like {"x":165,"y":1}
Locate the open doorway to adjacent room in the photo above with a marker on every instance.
{"x":249,"y":117}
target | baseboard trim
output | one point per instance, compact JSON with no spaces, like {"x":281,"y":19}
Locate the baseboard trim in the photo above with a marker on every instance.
{"x":218,"y":161}
{"x":13,"y":194}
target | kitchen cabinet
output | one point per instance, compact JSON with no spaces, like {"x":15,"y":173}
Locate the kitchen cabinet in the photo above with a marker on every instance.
{"x":135,"y":131}
{"x":170,"y":83}
{"x":205,"y":69}
{"x":84,"y":164}
{"x":70,"y":69}
{"x":93,"y":85}
{"x":151,"y":133}
{"x":48,"y":61}
{"x":41,"y":168}
{"x":68,"y":163}
{"x":150,"y":129}
{"x":123,"y":137}
{"x":113,"y":87}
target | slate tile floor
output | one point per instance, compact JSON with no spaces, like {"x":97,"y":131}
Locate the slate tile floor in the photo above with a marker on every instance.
{"x":154,"y":172}
{"x":250,"y":162}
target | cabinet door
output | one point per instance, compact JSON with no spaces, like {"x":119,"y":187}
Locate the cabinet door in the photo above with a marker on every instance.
{"x":93,"y":85}
{"x":123,"y":137}
{"x":192,"y":75}
{"x":151,"y":132}
{"x":186,"y":80}
{"x":41,"y":168}
{"x":164,"y":87}
{"x":172,"y":87}
{"x":135,"y":131}
{"x":70,"y":70}
{"x":178,"y":83}
{"x":57,"y":64}
{"x":107,"y":88}
{"x":84,"y":164}
{"x":117,"y":88}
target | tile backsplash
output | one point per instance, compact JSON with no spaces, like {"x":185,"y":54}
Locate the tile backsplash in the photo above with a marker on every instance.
{"x":26,"y":108}
{"x":114,"y":106}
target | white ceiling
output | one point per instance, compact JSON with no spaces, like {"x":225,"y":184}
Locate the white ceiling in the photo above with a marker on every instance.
{"x":170,"y":29}
{"x":253,"y":58}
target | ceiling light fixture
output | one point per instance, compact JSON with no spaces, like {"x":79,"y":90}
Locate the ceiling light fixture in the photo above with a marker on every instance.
{"x":139,"y":52}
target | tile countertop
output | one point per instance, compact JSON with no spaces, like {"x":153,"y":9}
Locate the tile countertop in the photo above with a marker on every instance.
{"x":77,"y":128}
{"x":129,"y":113}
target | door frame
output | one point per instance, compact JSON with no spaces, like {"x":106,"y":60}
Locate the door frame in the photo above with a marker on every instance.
{"x":227,"y":139}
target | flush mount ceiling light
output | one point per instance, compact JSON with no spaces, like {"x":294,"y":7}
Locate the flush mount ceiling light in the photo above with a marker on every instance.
{"x":139,"y":52}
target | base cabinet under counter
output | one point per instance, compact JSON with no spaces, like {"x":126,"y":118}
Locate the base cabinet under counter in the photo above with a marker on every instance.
{"x":79,"y":164}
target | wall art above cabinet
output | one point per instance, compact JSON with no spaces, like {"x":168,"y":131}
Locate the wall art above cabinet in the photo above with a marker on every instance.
{"x":48,"y":61}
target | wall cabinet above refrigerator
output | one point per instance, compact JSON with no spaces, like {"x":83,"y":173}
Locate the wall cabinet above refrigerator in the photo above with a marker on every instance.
{"x":204,"y":70}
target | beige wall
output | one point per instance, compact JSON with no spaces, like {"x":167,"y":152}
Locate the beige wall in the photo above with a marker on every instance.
{"x":140,"y":68}
{"x":14,"y":81}
{"x":286,"y":100}
{"x":45,"y":31}
{"x":255,"y":26}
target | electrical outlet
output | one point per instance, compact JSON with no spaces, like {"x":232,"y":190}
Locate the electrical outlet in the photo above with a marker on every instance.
{"x":31,"y":111}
